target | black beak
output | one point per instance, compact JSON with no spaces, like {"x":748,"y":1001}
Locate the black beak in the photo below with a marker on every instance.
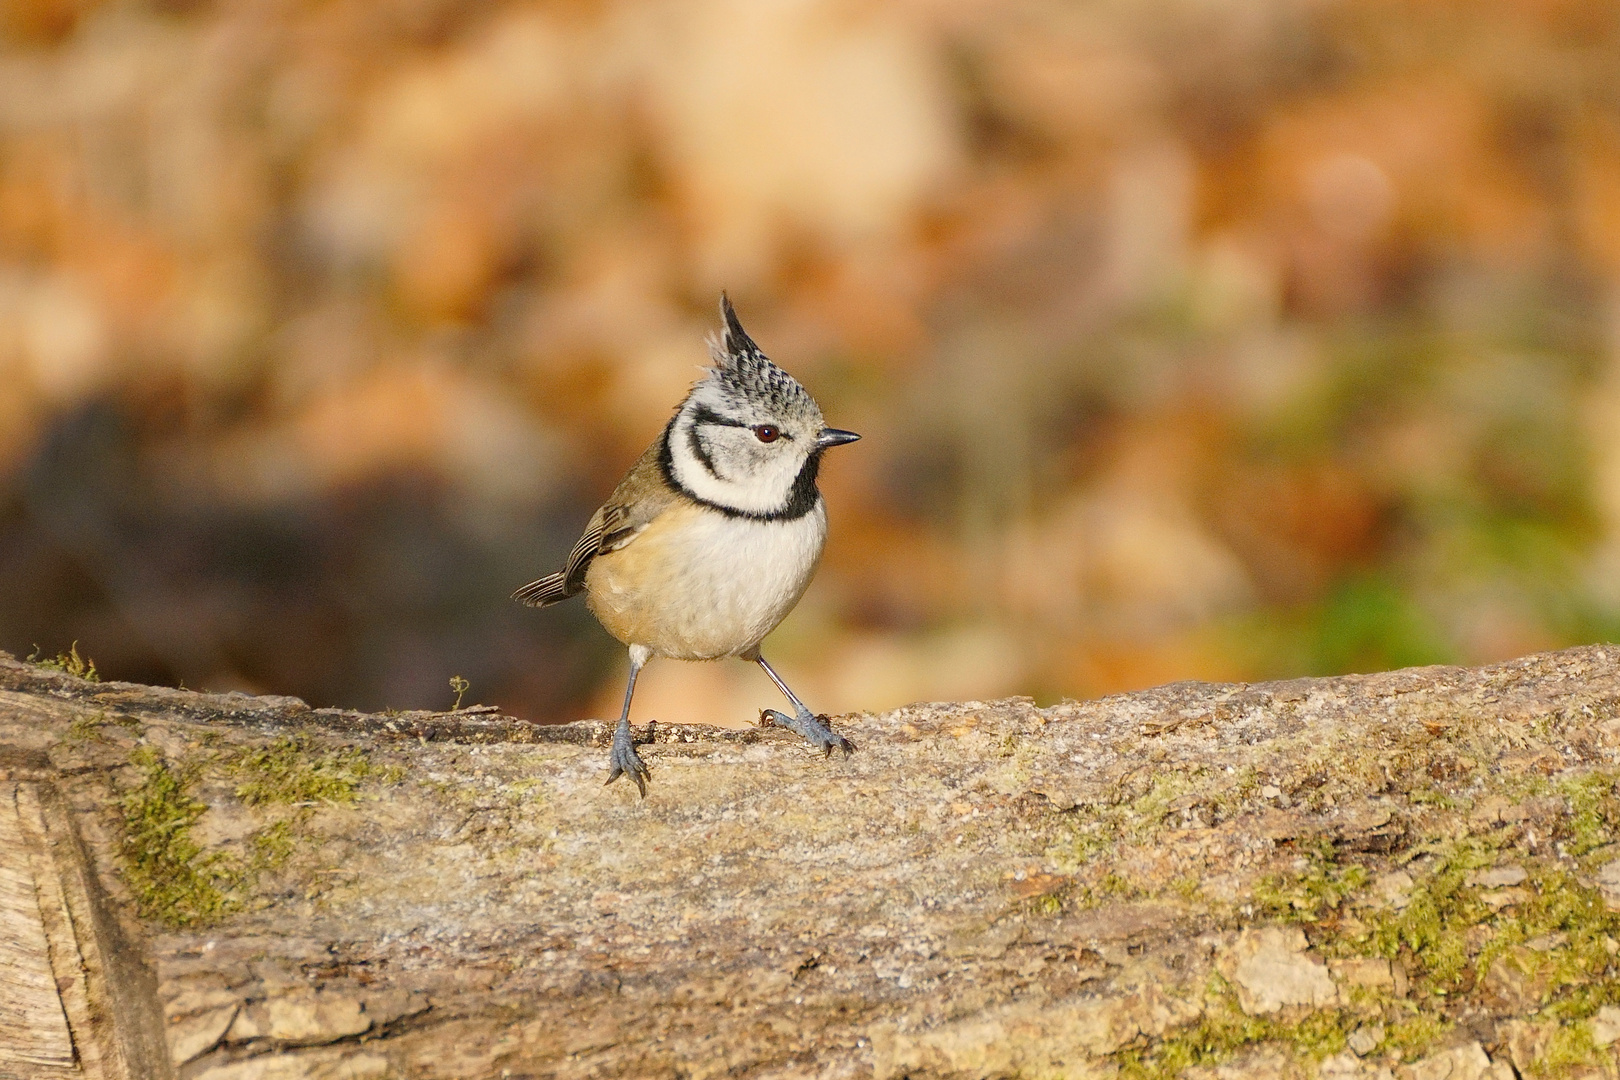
{"x":831,"y":436}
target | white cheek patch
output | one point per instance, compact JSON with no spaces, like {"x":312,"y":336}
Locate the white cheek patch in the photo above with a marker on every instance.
{"x":740,"y":481}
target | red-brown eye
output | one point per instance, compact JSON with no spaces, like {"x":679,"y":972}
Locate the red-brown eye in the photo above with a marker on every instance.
{"x":766,"y":433}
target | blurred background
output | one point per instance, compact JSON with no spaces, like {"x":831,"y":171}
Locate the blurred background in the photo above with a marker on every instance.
{"x":1219,"y":339}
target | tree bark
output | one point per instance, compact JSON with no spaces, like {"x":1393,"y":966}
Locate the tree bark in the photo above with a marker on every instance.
{"x":1411,"y":871}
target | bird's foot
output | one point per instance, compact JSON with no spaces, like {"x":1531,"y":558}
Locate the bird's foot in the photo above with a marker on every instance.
{"x":625,"y":760}
{"x":813,"y":728}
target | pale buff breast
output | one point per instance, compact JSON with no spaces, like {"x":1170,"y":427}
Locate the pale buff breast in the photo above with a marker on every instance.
{"x":698,"y":585}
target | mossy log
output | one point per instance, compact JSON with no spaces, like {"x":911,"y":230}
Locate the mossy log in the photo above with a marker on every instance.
{"x":1409,"y":873}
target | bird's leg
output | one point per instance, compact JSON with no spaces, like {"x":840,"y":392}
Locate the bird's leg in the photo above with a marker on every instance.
{"x":805,"y":722}
{"x":623,"y":756}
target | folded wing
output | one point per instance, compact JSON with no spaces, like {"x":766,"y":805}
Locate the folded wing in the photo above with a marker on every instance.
{"x":640,"y":497}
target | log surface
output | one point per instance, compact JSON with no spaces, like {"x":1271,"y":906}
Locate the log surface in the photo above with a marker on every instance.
{"x":983,"y":889}
{"x":33,"y":1027}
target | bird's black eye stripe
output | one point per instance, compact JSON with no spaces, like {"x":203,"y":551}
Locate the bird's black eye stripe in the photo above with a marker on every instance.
{"x":705,"y":415}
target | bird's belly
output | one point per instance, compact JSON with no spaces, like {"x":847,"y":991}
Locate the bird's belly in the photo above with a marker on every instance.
{"x":698,"y":585}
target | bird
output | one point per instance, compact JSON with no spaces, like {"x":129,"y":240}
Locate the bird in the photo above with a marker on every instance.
{"x":713,"y":535}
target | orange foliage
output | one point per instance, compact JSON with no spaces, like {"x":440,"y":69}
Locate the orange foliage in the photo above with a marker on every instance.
{"x":1185,"y":340}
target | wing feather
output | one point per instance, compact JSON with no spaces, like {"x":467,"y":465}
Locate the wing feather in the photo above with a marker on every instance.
{"x":544,"y":592}
{"x":640,"y":497}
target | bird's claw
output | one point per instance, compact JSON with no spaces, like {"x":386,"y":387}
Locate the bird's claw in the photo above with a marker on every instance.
{"x":626,"y":762}
{"x":813,"y":728}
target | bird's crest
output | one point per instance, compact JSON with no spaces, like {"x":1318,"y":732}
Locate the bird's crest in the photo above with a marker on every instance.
{"x":742,"y":370}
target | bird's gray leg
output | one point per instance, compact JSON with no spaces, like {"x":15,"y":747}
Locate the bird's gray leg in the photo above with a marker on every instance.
{"x":805,"y":722}
{"x":623,"y":756}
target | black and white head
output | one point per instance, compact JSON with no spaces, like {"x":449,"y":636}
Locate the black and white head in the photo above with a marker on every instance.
{"x":748,"y":438}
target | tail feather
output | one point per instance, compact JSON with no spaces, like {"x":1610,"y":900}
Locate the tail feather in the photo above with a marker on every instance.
{"x":547,"y":591}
